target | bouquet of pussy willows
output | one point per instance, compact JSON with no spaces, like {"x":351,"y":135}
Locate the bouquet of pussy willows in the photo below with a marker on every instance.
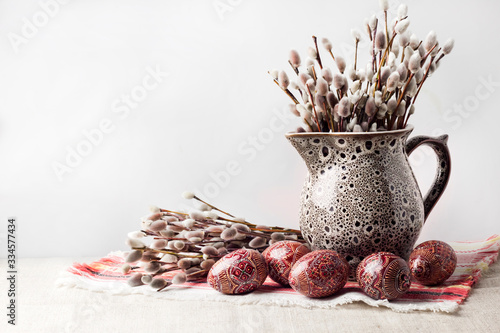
{"x":377,"y":97}
{"x":187,"y":244}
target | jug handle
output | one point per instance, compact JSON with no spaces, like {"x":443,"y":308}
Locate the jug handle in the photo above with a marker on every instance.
{"x":440,"y":147}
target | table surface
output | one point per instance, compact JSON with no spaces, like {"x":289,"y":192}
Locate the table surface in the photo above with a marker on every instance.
{"x":43,"y":307}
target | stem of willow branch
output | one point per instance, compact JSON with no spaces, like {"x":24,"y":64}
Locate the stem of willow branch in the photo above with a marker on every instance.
{"x":440,"y":57}
{"x":287,"y":92}
{"x":403,"y":92}
{"x":296,"y":70}
{"x":168,"y":252}
{"x":308,"y":125}
{"x":386,"y":30}
{"x":318,"y":58}
{"x":427,"y":54}
{"x":172,"y":212}
{"x":382,"y":60}
{"x":374,"y":61}
{"x":315,"y":77}
{"x":167,"y":285}
{"x":314,"y":108}
{"x":331,"y":53}
{"x":356,"y":54}
{"x":212,"y":206}
{"x":423,"y":79}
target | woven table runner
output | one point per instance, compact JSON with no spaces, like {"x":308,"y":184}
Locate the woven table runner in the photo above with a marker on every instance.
{"x":473,"y":259}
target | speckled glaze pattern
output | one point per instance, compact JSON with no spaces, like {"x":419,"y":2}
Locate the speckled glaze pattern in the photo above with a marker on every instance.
{"x":319,"y":273}
{"x":360,"y":195}
{"x":432,"y":262}
{"x":239,"y":272}
{"x":281,"y":256}
{"x":384,"y":275}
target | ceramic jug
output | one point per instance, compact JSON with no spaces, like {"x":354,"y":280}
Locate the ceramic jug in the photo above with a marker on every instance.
{"x":360,"y":195}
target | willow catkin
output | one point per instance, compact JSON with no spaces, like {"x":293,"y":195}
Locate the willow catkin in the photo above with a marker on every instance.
{"x":338,"y":81}
{"x":158,"y":226}
{"x":430,"y":40}
{"x":283,"y":80}
{"x":188,"y":223}
{"x":326,"y":44}
{"x":412,"y":87}
{"x":158,"y":283}
{"x":327,"y":75}
{"x":257,"y":242}
{"x":401,"y":109}
{"x":197,"y":215}
{"x":293,"y":110}
{"x":207,"y":264}
{"x":402,"y":26}
{"x":240,"y":227}
{"x":277,"y":236}
{"x":393,"y":81}
{"x":404,"y":40}
{"x":294,"y":58}
{"x":414,"y":63}
{"x":380,"y":41}
{"x":125,"y":268}
{"x":344,"y":107}
{"x":321,"y":87}
{"x":159,"y":244}
{"x":133,"y":256}
{"x":152,"y":267}
{"x":402,"y":71}
{"x":228,"y":234}
{"x":384,"y":5}
{"x":414,"y":41}
{"x":391,"y":105}
{"x":179,"y":245}
{"x":135,"y":280}
{"x":341,"y":64}
{"x":188,"y":195}
{"x":370,"y":107}
{"x":402,"y":11}
{"x":184,"y":263}
{"x":146,"y":279}
{"x":169,"y":258}
{"x":384,"y":74}
{"x":179,"y":278}
{"x":448,"y":46}
{"x":210,"y":250}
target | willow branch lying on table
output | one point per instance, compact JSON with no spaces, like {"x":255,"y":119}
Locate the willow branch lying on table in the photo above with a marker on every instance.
{"x":192,"y":242}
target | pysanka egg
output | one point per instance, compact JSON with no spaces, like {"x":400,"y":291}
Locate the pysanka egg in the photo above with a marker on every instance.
{"x":319,"y":273}
{"x":239,"y":272}
{"x":281,"y":256}
{"x":432,"y":262}
{"x":383,"y":275}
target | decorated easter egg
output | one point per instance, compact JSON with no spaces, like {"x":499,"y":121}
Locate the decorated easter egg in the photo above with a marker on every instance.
{"x":383,"y":275}
{"x":432,"y":262}
{"x":319,"y":273}
{"x":239,"y":272}
{"x":281,"y":256}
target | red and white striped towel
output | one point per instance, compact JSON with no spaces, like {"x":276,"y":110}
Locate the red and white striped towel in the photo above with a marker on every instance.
{"x":473,"y":258}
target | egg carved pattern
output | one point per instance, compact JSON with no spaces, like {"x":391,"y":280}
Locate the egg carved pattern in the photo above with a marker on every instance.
{"x":319,"y":273}
{"x":383,"y":275}
{"x":280,"y":258}
{"x":432,"y":262}
{"x":239,"y":272}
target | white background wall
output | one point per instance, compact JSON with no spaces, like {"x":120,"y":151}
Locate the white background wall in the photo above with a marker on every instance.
{"x":69,"y":74}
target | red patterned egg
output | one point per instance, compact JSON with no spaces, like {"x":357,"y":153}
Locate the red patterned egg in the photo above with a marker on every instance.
{"x":383,"y":275}
{"x":281,"y":256}
{"x":432,"y":262}
{"x":239,"y":272}
{"x":319,"y":273}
